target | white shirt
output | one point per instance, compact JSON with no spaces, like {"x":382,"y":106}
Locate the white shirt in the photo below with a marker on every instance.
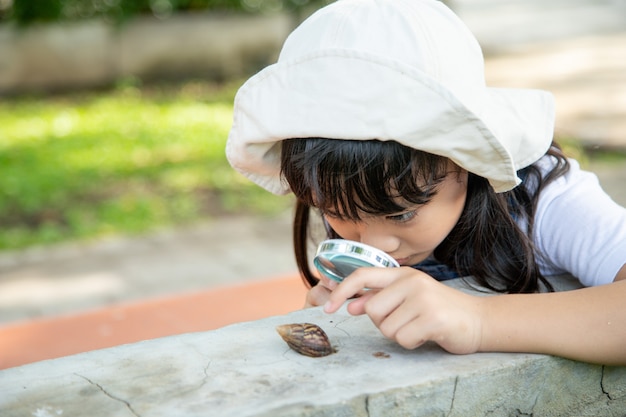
{"x":579,"y":229}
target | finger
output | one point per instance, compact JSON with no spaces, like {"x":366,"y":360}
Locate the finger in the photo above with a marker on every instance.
{"x":392,"y":314}
{"x":359,"y":280}
{"x":317,"y":296}
{"x":328,"y":283}
{"x":455,"y":331}
{"x":389,"y":308}
{"x":357,"y":306}
{"x":412,"y":335}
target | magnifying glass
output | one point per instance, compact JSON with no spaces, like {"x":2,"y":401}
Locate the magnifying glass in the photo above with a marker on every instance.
{"x":338,"y":258}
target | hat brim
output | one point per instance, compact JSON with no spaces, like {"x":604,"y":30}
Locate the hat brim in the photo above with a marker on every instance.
{"x":493,"y":133}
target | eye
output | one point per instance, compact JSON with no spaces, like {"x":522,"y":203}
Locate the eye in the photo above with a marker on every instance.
{"x":403,"y":217}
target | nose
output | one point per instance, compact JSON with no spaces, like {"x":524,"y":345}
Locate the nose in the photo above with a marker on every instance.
{"x":378,"y":236}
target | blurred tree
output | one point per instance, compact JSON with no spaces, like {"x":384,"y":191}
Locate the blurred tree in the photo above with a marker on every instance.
{"x":29,"y":11}
{"x":25,"y":12}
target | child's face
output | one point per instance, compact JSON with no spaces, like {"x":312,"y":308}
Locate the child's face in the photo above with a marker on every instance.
{"x":412,"y":235}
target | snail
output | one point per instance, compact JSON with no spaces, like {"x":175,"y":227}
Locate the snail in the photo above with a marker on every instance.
{"x":306,"y":338}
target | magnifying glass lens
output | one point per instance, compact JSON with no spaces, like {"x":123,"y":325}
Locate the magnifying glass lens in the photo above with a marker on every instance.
{"x":338,"y":258}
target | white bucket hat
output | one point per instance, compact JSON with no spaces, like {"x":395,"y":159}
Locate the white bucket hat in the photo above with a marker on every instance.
{"x":403,"y":70}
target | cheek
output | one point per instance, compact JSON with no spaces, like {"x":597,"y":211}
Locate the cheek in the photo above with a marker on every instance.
{"x":436,"y":220}
{"x":452,"y":206}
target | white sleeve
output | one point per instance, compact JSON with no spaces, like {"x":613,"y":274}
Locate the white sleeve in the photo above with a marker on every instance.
{"x":580,"y":230}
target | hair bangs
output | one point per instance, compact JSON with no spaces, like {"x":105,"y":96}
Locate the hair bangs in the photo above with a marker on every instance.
{"x":349,"y":178}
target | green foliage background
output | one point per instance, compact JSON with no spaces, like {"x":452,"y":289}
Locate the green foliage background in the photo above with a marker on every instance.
{"x":128,"y":160}
{"x":89,"y":164}
{"x":25,"y":12}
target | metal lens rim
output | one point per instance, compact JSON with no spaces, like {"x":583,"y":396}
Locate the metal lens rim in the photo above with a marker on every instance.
{"x":356,"y":250}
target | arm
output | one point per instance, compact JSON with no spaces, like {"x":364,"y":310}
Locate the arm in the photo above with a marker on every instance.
{"x":587,"y":324}
{"x":410,"y":307}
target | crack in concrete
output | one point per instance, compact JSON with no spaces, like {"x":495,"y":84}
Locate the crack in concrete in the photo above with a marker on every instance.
{"x":202,"y":382}
{"x":206,"y":375}
{"x":456,"y":383}
{"x":108,"y":394}
{"x":604,"y":391}
{"x":339,"y":323}
{"x":532,"y":408}
{"x":531,"y":413}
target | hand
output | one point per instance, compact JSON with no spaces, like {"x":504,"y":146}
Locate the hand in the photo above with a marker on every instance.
{"x":411,"y":308}
{"x":318,"y":295}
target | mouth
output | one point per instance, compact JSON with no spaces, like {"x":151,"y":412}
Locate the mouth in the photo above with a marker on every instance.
{"x":412,"y":259}
{"x":403,"y":261}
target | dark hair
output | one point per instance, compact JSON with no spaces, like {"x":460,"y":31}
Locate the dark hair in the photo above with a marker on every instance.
{"x":348,"y":177}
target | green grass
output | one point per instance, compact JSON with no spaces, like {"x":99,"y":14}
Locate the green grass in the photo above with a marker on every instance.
{"x":588,"y":155}
{"x":125,"y":161}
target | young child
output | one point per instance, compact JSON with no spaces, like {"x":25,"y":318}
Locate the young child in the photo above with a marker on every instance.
{"x":377,"y":116}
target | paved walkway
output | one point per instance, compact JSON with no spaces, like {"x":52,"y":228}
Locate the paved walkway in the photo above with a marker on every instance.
{"x":78,"y":276}
{"x":575,"y":48}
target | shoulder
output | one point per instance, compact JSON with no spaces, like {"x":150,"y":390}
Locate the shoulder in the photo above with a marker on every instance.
{"x":578,"y":228}
{"x":575,"y":182}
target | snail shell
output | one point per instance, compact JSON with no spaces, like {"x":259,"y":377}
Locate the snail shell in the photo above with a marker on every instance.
{"x":306,"y":338}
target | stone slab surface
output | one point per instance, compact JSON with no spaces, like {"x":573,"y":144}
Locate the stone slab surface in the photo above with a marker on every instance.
{"x":247,"y":370}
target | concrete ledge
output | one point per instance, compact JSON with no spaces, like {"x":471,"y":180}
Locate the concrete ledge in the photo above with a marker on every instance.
{"x":247,"y":370}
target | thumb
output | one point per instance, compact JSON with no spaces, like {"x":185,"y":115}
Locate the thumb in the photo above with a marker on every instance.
{"x":317,"y":296}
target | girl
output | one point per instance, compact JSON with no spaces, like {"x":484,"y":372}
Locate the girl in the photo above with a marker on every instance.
{"x":378,"y":117}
